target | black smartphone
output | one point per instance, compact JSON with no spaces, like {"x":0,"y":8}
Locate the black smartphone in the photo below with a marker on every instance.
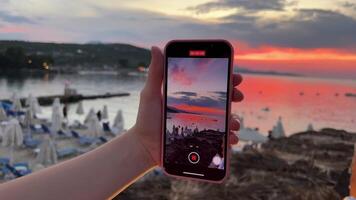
{"x":197,"y":100}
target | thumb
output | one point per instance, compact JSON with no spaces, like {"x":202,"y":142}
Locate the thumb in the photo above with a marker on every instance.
{"x":155,"y":73}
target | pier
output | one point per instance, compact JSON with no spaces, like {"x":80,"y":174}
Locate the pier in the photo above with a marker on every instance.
{"x":48,"y":100}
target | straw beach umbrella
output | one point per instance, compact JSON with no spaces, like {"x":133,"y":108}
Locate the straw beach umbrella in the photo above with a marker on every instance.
{"x":90,"y":113}
{"x":48,"y":152}
{"x":80,"y":109}
{"x":17,"y":106}
{"x":242,"y":123}
{"x":278,"y":129}
{"x":94,"y":126}
{"x":56,"y":116}
{"x":13,"y":136}
{"x":310,"y":127}
{"x":105,"y":112}
{"x":3,"y":115}
{"x":119,"y":121}
{"x":29,"y":120}
{"x":32,"y":103}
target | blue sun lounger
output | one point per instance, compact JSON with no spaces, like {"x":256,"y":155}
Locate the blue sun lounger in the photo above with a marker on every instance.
{"x":63,"y":134}
{"x":83,"y":140}
{"x":30,"y":142}
{"x":17,"y":169}
{"x":3,"y":162}
{"x":22,"y":168}
{"x":45,"y":129}
{"x":68,"y":151}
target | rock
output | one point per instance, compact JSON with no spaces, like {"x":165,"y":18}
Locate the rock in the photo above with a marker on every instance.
{"x":306,"y":165}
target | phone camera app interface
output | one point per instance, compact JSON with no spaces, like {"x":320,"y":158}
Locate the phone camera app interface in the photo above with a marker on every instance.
{"x":196,"y":111}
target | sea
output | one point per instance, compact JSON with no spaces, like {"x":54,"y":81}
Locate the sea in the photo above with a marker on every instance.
{"x":299,"y":101}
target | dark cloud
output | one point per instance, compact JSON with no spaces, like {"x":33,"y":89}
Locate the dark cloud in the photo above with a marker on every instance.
{"x":10,"y":18}
{"x":253,"y":5}
{"x":204,"y":101}
{"x":190,"y":94}
{"x":220,"y":94}
{"x":309,"y":28}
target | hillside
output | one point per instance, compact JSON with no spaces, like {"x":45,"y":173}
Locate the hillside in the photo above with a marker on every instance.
{"x":91,"y":54}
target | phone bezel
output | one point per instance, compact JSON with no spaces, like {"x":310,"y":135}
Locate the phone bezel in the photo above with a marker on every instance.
{"x":213,"y":49}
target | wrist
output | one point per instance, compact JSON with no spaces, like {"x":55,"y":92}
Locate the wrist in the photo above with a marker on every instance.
{"x":144,"y":151}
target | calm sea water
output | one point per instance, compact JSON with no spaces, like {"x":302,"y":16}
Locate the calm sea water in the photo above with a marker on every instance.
{"x":298,"y":100}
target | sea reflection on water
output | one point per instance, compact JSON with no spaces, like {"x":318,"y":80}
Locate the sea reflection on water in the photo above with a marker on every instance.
{"x":298,"y":100}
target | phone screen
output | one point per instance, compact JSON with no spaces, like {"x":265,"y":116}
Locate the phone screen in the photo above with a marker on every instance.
{"x":196,"y":115}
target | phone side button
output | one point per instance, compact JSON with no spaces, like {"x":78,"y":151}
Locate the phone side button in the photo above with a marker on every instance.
{"x":191,"y":173}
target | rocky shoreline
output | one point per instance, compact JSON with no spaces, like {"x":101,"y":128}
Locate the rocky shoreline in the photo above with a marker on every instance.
{"x":307,"y":165}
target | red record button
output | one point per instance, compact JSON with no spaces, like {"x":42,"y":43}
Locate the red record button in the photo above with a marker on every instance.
{"x":193,"y":157}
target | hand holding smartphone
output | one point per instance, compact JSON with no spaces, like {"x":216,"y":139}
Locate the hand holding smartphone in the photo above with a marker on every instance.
{"x":197,"y":100}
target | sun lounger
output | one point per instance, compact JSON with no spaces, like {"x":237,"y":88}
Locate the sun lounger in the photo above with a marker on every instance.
{"x":45,"y":129}
{"x":103,"y":139}
{"x":23,"y":168}
{"x":3,"y":162}
{"x":17,"y":169}
{"x":63,"y":134}
{"x":69,"y":151}
{"x":83,"y":140}
{"x":30,"y":142}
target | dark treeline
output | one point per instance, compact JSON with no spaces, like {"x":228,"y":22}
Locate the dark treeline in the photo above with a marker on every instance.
{"x":15,"y":58}
{"x":36,"y":55}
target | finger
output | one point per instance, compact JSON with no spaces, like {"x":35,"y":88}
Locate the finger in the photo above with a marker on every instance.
{"x":233,"y":138}
{"x":237,"y":95}
{"x":236,"y":79}
{"x":155,"y":73}
{"x":234,"y":124}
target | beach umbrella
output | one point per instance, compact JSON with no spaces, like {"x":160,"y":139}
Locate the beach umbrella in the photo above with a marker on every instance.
{"x":90,"y":114}
{"x":310,"y":127}
{"x":105,"y":112}
{"x":12,"y":136}
{"x":56,"y":118}
{"x":13,"y":97}
{"x":94,"y":127}
{"x":119,"y":121}
{"x":28,"y":100}
{"x":3,"y":115}
{"x":16,"y":105}
{"x":32,"y":103}
{"x":278,"y":129}
{"x":242,"y":123}
{"x":80,"y":109}
{"x":28,"y":120}
{"x":56,"y":103}
{"x":248,"y":134}
{"x":48,"y":152}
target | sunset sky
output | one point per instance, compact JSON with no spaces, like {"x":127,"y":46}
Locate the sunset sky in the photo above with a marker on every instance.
{"x":203,"y":96}
{"x":308,"y":37}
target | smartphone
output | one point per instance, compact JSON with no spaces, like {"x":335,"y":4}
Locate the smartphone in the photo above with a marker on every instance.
{"x":197,"y":100}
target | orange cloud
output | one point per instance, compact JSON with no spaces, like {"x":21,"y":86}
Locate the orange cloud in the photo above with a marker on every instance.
{"x":318,"y":61}
{"x":200,"y":109}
